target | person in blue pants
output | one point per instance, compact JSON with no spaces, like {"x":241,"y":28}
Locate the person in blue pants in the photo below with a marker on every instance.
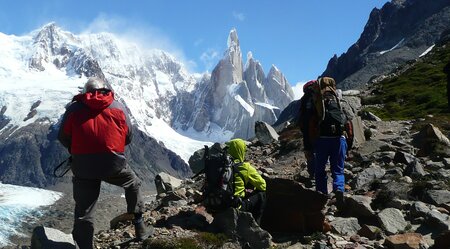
{"x":332,"y":149}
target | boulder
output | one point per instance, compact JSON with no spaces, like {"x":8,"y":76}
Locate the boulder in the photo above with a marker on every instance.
{"x":415,"y":169}
{"x":197,"y":162}
{"x":369,"y":116}
{"x":358,"y":132}
{"x":165,"y":183}
{"x":438,"y":197}
{"x":291,"y":208}
{"x":234,"y":223}
{"x":359,"y":206}
{"x":406,"y":241}
{"x":370,"y":232}
{"x":392,"y":220}
{"x":265,"y":133}
{"x":418,"y":209}
{"x":45,"y":237}
{"x":442,"y":240}
{"x":431,"y":140}
{"x":345,"y":226}
{"x":114,"y":223}
{"x":438,"y":220}
{"x":403,"y":157}
{"x":368,"y":175}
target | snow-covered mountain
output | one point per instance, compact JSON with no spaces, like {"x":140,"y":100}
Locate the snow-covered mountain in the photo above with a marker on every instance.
{"x":172,"y":110}
{"x":236,"y":95}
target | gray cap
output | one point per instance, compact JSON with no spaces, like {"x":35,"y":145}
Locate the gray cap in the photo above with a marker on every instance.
{"x":93,"y":84}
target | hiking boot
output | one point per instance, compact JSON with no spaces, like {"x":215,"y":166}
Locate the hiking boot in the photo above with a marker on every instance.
{"x":142,"y":232}
{"x":340,"y":203}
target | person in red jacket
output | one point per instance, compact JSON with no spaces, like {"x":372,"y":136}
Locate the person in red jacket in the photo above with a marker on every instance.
{"x":96,"y":128}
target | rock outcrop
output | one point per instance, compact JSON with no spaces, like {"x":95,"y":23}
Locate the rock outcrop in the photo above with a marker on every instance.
{"x":397,"y":33}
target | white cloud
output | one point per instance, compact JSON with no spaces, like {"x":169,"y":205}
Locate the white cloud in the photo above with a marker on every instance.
{"x":146,"y":37}
{"x":209,"y":58}
{"x":298,"y":89}
{"x":239,"y":16}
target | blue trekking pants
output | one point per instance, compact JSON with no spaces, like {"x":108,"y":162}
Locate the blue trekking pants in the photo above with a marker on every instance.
{"x":331,"y":149}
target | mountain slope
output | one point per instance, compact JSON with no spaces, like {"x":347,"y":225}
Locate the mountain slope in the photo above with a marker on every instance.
{"x":169,"y":107}
{"x":398,"y":32}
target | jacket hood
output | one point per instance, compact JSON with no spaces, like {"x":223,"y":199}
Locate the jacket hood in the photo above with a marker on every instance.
{"x":96,"y":100}
{"x":237,"y":148}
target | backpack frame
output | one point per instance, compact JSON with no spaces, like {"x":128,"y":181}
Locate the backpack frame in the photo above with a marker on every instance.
{"x":219,"y":185}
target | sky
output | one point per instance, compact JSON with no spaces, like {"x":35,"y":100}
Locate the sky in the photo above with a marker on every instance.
{"x":297,"y":36}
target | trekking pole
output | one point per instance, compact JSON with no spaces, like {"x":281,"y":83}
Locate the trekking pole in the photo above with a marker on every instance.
{"x":66,"y":162}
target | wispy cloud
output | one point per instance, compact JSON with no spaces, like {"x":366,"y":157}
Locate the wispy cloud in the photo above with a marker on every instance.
{"x":198,"y":42}
{"x":298,"y":89}
{"x":147,"y":37}
{"x":238,"y":16}
{"x":209,"y":58}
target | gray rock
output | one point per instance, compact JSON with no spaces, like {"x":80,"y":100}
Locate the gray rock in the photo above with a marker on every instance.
{"x":403,"y":157}
{"x":427,"y":139}
{"x":392,"y":220}
{"x":438,"y":197}
{"x":415,"y":169}
{"x":446,"y":162}
{"x":370,"y":232}
{"x":236,"y":223}
{"x":265,"y":133}
{"x":370,"y":116}
{"x":368,"y":175}
{"x":438,"y":220}
{"x":45,"y":238}
{"x":165,"y":183}
{"x":345,"y":226}
{"x":359,"y":206}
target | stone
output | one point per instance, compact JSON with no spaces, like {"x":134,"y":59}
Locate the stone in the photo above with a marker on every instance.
{"x":428,"y":139}
{"x":406,"y":241}
{"x":365,"y":177}
{"x":392,"y":220}
{"x":415,"y":169}
{"x":403,"y":157}
{"x":291,"y":208}
{"x":442,"y":241}
{"x":370,"y":232}
{"x":345,"y":226}
{"x":233,"y":223}
{"x":438,"y":220}
{"x":370,"y":116}
{"x":165,"y":183}
{"x":359,"y":206}
{"x":438,"y":197}
{"x":45,"y":237}
{"x":358,"y":132}
{"x":265,"y":133}
{"x":114,"y":223}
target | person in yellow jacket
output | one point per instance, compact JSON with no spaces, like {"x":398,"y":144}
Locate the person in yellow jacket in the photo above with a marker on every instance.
{"x":249,"y":186}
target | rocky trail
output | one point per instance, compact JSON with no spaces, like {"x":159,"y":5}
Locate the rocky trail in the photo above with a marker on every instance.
{"x":397,"y":196}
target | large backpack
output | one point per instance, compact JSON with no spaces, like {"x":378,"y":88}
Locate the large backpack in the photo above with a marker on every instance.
{"x":332,"y":119}
{"x":219,"y":180}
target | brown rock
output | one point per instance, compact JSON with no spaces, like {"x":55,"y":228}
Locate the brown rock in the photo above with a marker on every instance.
{"x":405,"y":241}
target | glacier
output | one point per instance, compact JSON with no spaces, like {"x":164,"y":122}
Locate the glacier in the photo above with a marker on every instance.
{"x":21,"y":204}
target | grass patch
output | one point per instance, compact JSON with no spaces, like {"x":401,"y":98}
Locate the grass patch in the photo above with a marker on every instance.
{"x":201,"y":240}
{"x":418,"y":92}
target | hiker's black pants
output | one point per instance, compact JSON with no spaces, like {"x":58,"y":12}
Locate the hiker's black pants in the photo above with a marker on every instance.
{"x":255,"y":204}
{"x":85,"y":194}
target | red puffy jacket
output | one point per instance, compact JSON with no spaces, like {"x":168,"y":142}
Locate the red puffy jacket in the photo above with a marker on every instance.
{"x":95,"y":129}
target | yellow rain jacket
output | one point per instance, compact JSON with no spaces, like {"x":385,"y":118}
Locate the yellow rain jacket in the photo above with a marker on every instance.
{"x":247,"y":175}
